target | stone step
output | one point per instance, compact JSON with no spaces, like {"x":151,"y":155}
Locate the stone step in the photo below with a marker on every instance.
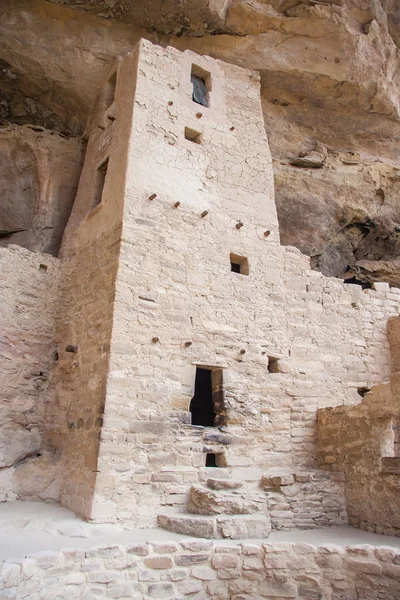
{"x":222,"y":484}
{"x":234,"y":527}
{"x":205,"y":501}
{"x":214,"y":473}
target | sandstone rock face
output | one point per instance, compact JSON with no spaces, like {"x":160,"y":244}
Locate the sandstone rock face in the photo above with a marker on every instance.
{"x":39,"y":174}
{"x":29,"y":290}
{"x":330,"y":90}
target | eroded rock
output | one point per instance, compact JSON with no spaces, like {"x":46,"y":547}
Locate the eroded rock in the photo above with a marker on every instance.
{"x":39,"y":175}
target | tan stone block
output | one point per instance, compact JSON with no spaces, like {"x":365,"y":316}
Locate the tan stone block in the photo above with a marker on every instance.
{"x":158,"y":562}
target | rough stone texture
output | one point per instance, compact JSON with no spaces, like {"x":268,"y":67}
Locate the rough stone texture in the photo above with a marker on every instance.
{"x":157,"y":294}
{"x":204,"y":501}
{"x":39,"y":174}
{"x":363,"y":442}
{"x":165,"y":16}
{"x":330,"y":84}
{"x":29,"y":295}
{"x":279,"y":571}
{"x":90,"y":255}
{"x":305,"y":500}
{"x":287,"y":339}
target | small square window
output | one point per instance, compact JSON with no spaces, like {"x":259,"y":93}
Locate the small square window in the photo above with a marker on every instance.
{"x":215,"y":460}
{"x":192,"y":135}
{"x":239,"y":264}
{"x":273,"y":364}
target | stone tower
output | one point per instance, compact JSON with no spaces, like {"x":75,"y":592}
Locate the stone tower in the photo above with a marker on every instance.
{"x":191,"y":345}
{"x":173,"y":261}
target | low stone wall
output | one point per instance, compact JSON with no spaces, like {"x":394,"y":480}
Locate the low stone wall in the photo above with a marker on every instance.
{"x":202,"y":569}
{"x":305,"y":500}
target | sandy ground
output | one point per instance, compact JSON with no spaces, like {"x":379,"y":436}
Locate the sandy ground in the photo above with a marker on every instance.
{"x":28,"y":527}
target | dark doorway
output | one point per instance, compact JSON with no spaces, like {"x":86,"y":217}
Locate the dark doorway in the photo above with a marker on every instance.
{"x":202,"y":406}
{"x":211,"y":460}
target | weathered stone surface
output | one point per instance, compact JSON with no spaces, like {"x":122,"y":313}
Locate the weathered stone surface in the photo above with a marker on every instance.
{"x":363,"y":442}
{"x":232,"y":527}
{"x":286,"y":571}
{"x":204,"y":501}
{"x":223,"y":484}
{"x":39,"y":174}
{"x":17,"y":444}
{"x":324,"y":73}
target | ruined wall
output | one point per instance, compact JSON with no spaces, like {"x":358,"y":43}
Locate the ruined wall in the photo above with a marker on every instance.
{"x":363,"y":442}
{"x":90,"y":254}
{"x":203,"y":569}
{"x":338,"y":345}
{"x":29,"y":302}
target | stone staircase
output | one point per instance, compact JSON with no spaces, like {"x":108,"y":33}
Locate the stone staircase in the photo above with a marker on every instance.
{"x":221,"y":508}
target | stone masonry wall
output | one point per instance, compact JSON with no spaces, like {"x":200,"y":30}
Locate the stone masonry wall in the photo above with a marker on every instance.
{"x":90,"y":256}
{"x":178,"y":305}
{"x":28,"y":303}
{"x":338,"y":344}
{"x":362,"y":442}
{"x":202,"y":569}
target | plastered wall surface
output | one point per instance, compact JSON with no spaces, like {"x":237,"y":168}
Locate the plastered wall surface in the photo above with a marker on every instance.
{"x":29,"y":301}
{"x":202,"y":569}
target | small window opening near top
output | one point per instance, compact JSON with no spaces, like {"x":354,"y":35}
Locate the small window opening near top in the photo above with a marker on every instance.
{"x":192,"y":135}
{"x":101,"y":173}
{"x":239,"y":264}
{"x":109,"y":91}
{"x":201,"y":82}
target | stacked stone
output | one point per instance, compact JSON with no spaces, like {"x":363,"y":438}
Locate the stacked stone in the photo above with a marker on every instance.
{"x":202,"y":569}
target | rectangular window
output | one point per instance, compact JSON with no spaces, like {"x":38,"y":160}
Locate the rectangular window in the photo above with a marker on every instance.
{"x":101,"y":173}
{"x":201,"y":82}
{"x":239,"y":264}
{"x":192,"y":135}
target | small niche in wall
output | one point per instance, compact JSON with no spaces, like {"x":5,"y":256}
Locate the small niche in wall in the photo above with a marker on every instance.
{"x":192,"y":135}
{"x":215,"y":459}
{"x":100,"y":178}
{"x":273,"y":364}
{"x":239,"y":264}
{"x":201,"y":82}
{"x":363,"y":391}
{"x":109,"y":90}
